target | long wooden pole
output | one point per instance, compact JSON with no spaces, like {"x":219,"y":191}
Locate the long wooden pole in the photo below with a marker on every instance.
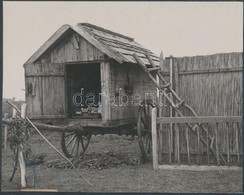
{"x":51,"y":144}
{"x":143,"y":66}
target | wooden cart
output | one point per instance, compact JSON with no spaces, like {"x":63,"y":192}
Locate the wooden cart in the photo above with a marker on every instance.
{"x":88,"y":65}
{"x":95,"y":81}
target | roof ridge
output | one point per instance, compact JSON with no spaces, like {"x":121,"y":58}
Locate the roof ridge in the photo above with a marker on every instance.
{"x":106,"y":30}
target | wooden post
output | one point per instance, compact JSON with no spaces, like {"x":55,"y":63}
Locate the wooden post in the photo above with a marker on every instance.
{"x":21,"y":160}
{"x":23,"y":110}
{"x":160,"y":136}
{"x":160,"y":98}
{"x":170,"y":143}
{"x":14,"y":113}
{"x":228,"y":143}
{"x":160,"y":133}
{"x":238,"y":129}
{"x":208,"y":144}
{"x":154,"y":138}
{"x":216,"y":142}
{"x":5,"y":132}
{"x":175,"y":86}
{"x":177,"y":137}
{"x":105,"y":89}
{"x":198,"y":144}
{"x":188,"y":145}
{"x":170,"y":108}
{"x":22,"y":167}
{"x":161,"y":60}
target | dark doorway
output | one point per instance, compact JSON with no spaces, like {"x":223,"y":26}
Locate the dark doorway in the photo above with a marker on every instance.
{"x":83,"y":89}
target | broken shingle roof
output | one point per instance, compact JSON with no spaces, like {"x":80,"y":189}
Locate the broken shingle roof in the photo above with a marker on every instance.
{"x":115,"y":45}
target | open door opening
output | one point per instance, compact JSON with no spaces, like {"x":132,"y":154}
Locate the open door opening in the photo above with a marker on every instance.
{"x":83,"y":90}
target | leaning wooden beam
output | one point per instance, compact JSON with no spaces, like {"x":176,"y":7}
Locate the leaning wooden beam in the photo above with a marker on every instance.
{"x":150,"y":60}
{"x":175,"y":106}
{"x":143,"y":66}
{"x":162,"y":79}
{"x":28,"y":120}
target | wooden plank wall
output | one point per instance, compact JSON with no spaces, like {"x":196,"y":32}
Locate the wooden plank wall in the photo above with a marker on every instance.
{"x":34,"y":101}
{"x":53,"y":89}
{"x":48,"y":74}
{"x":47,"y":99}
{"x":212,"y":85}
{"x":130,"y":76}
{"x":73,"y":48}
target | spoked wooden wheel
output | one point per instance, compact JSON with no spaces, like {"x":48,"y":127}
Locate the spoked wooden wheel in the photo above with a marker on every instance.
{"x":144,"y":130}
{"x":74,"y":144}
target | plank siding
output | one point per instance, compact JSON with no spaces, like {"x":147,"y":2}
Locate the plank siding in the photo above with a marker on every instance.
{"x":34,"y":102}
{"x":74,"y":49}
{"x":49,"y":98}
{"x":128,"y":75}
{"x":105,"y":90}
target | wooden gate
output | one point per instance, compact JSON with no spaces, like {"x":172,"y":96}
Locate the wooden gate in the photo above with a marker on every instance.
{"x":193,"y":148}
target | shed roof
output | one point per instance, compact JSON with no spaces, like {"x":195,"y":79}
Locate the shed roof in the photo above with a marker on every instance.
{"x":115,"y":45}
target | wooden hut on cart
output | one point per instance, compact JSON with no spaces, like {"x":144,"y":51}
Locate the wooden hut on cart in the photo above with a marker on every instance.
{"x":79,"y":64}
{"x":94,"y":80}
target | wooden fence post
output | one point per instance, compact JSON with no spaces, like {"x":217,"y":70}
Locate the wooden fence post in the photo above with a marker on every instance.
{"x":5,"y":132}
{"x":23,"y":110}
{"x":160,"y":130}
{"x":175,"y":85}
{"x":160,"y":134}
{"x":170,"y":108}
{"x":14,"y":113}
{"x":154,"y":138}
{"x":21,"y":160}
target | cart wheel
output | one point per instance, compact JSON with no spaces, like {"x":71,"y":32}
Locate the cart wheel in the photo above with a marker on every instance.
{"x":144,"y":130}
{"x":75,"y":143}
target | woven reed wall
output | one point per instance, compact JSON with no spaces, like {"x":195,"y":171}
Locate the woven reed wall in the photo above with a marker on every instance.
{"x":212,"y":85}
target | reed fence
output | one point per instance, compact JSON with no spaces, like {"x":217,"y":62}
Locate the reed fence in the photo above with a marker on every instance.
{"x":212,"y":85}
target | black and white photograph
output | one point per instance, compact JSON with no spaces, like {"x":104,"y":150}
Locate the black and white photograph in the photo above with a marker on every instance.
{"x":122,"y":96}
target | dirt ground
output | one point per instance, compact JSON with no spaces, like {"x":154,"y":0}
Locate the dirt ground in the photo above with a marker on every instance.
{"x":125,"y":177}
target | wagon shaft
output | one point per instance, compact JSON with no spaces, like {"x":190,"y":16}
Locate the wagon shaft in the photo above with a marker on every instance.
{"x":176,"y":103}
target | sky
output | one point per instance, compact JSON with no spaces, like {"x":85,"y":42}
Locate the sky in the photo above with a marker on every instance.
{"x":176,"y":28}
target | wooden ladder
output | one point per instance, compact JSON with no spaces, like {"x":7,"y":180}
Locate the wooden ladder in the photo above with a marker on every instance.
{"x":176,"y":102}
